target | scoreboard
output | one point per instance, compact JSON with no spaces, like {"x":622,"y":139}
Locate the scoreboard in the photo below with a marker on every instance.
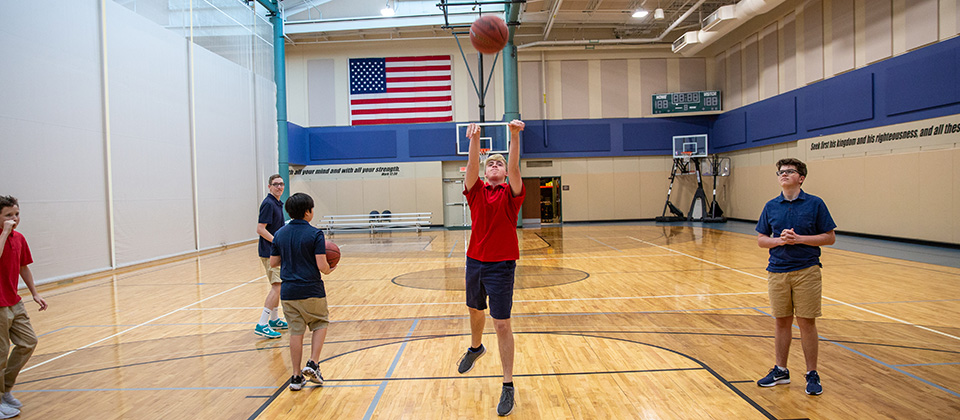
{"x":699,"y":101}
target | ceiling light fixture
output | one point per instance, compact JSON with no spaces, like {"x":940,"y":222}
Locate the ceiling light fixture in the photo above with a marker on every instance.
{"x":640,"y":13}
{"x":387,"y":11}
{"x":658,"y":14}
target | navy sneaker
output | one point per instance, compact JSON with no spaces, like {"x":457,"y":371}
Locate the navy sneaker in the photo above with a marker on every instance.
{"x":813,"y":383}
{"x":776,"y":376}
{"x":312,"y":372}
{"x":296,"y":382}
{"x":469,"y":358}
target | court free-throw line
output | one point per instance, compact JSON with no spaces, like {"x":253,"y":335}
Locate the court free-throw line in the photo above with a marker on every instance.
{"x":825,"y":297}
{"x":140,"y":325}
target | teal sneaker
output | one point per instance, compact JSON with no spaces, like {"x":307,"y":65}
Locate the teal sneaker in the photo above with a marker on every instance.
{"x":279,"y":324}
{"x":266,"y":331}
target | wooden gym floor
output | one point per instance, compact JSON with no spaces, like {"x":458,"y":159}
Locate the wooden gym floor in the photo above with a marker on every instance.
{"x":618,"y":321}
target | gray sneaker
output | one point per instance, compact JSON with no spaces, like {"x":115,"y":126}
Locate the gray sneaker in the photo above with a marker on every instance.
{"x":506,"y":405}
{"x":7,"y":411}
{"x":469,"y":358}
{"x":8,"y":399}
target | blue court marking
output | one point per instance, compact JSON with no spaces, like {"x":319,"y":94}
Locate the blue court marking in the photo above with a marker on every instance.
{"x":453,"y":247}
{"x":872,"y":359}
{"x":383,"y":384}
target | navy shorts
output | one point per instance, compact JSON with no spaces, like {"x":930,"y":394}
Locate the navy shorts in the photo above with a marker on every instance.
{"x":493,"y":279}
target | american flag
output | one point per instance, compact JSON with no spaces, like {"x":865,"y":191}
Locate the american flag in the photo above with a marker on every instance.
{"x":396,"y":90}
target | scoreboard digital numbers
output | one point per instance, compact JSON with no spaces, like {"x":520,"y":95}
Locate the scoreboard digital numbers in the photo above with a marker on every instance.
{"x":670,"y":103}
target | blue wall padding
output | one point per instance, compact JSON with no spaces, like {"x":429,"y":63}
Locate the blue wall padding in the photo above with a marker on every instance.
{"x":352,"y":143}
{"x":919,"y":85}
{"x":297,"y":145}
{"x":568,"y":136}
{"x":841,"y":100}
{"x":923,"y":82}
{"x":730,"y":129}
{"x":656,"y":134}
{"x":773,"y":117}
{"x":432,"y":142}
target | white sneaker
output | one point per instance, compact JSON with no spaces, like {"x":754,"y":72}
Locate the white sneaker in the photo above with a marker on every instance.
{"x":7,"y":411}
{"x":8,"y":399}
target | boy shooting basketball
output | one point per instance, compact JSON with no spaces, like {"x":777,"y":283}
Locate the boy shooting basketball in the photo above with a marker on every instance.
{"x":300,"y":250}
{"x":14,"y":323}
{"x":493,"y":252}
{"x":794,"y":226}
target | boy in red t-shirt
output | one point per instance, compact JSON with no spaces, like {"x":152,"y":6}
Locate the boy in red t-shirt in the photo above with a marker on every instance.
{"x":14,"y":324}
{"x":493,"y":252}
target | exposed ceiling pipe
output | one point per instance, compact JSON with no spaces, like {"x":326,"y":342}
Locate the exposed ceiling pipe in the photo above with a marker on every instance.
{"x":553,"y":16}
{"x":743,"y":11}
{"x":607,"y":41}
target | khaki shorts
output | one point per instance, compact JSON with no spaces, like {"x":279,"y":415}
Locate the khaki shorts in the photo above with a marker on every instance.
{"x":797,"y":293}
{"x":273,"y":274}
{"x":303,"y":313}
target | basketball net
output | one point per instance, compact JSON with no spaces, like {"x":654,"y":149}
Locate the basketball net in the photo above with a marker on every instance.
{"x":483,"y":154}
{"x":686,"y":156}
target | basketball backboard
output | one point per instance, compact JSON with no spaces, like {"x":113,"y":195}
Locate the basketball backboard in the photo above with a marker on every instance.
{"x":494,"y":136}
{"x":691,"y":146}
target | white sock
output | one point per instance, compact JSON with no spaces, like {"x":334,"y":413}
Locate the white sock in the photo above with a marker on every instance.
{"x":264,"y":317}
{"x":275,"y":314}
{"x":781,"y":367}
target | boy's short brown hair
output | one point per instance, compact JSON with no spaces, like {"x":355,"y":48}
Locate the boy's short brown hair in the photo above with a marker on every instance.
{"x":796,"y":163}
{"x":8,"y":201}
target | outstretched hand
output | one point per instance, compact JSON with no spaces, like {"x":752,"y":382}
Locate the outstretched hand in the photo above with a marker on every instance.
{"x":516,"y":126}
{"x":473,"y":131}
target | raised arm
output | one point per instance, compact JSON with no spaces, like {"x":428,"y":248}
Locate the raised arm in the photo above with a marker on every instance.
{"x":513,"y":162}
{"x":473,"y":158}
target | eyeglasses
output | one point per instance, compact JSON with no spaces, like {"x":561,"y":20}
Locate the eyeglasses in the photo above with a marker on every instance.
{"x":787,"y":172}
{"x":276,"y":184}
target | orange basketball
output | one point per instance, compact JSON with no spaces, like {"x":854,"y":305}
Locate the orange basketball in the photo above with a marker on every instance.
{"x":488,"y":34}
{"x":333,"y":254}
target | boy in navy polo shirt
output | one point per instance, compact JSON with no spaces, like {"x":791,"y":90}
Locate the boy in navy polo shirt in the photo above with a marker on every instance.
{"x":14,"y":323}
{"x":493,"y":252}
{"x":301,"y":249}
{"x":269,"y":222}
{"x":794,"y":226}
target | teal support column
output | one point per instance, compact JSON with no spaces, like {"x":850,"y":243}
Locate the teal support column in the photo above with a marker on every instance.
{"x":280,"y":78}
{"x":511,"y":86}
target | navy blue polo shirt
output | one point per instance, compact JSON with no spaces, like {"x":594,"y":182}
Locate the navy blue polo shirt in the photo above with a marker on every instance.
{"x":298,"y":244}
{"x":271,"y":213}
{"x":806,"y":215}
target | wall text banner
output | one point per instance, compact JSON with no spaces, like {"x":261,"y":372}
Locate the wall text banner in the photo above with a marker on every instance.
{"x":934,"y":133}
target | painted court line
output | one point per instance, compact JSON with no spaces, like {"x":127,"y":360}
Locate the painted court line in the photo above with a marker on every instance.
{"x":825,"y":297}
{"x":383,"y":384}
{"x":140,"y":325}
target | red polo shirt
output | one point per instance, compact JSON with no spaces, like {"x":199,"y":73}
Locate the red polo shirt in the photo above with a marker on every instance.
{"x":16,"y":253}
{"x":493,"y":211}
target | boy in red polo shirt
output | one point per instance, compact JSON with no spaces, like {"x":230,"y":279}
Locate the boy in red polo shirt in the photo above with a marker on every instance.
{"x":14,"y":323}
{"x":493,"y":252}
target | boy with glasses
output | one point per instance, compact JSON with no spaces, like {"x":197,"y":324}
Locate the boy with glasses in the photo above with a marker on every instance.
{"x":793,"y":227}
{"x":268,"y":223}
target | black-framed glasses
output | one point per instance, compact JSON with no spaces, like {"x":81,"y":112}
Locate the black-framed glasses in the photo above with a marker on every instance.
{"x":276,"y":184}
{"x":786,"y":172}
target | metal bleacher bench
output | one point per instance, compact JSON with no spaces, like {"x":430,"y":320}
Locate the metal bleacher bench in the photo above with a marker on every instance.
{"x":375,"y":223}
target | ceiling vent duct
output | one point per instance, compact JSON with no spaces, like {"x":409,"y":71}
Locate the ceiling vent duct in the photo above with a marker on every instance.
{"x":720,"y":18}
{"x":685,"y":41}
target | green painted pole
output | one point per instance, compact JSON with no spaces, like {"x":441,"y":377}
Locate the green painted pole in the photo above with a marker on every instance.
{"x":280,"y":78}
{"x":511,"y":87}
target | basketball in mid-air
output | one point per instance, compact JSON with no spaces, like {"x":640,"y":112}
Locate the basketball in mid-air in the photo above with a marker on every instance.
{"x":333,"y":254}
{"x":488,"y":34}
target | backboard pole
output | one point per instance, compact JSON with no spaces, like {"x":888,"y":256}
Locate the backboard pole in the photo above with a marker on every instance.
{"x":483,"y":92}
